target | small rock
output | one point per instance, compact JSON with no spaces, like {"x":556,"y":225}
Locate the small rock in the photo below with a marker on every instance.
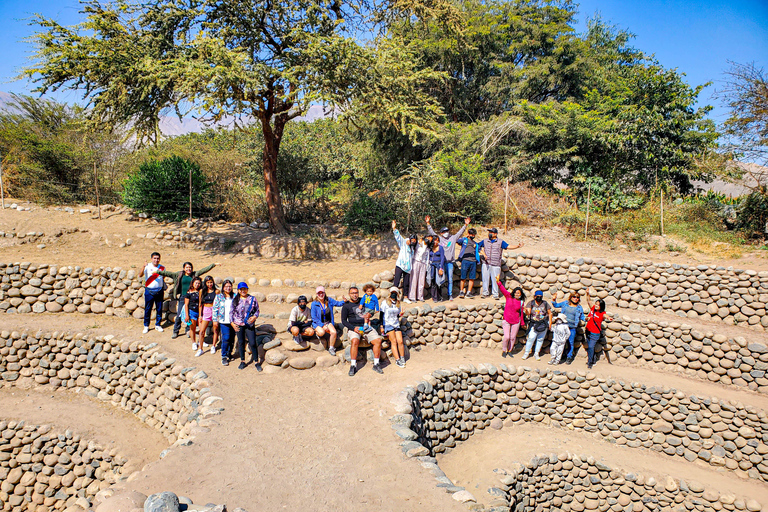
{"x":162,"y":502}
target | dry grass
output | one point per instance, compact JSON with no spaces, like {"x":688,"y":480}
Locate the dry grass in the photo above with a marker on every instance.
{"x":527,"y":205}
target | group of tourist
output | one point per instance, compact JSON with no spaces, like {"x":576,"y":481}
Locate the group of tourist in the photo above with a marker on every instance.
{"x":426,"y":262}
{"x":429,"y":262}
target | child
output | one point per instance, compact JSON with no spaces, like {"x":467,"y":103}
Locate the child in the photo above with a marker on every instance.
{"x":369,"y":306}
{"x":560,"y":334}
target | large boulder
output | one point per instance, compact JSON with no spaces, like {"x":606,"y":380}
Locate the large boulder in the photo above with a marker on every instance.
{"x":162,"y":502}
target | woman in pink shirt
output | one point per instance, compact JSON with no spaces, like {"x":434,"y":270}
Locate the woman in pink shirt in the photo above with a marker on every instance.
{"x":513,"y":319}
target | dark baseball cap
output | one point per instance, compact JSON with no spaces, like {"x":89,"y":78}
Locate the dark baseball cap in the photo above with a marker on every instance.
{"x":472,"y":231}
{"x":493,"y":230}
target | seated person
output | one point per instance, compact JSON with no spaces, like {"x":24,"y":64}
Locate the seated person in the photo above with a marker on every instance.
{"x":369,"y":305}
{"x":300,"y":321}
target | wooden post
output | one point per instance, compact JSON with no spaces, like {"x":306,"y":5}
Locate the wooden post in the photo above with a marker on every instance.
{"x":190,"y":192}
{"x":2,"y":191}
{"x":589,"y":196}
{"x":506,"y":202}
{"x":96,"y":184}
{"x":410,"y":198}
{"x":662,"y":212}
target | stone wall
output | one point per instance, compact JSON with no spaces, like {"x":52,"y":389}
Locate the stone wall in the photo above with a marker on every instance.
{"x":454,"y":404}
{"x":41,"y":469}
{"x":579,"y":483}
{"x":130,"y":375}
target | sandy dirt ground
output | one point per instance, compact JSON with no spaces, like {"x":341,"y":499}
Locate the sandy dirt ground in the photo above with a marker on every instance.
{"x":317,"y":439}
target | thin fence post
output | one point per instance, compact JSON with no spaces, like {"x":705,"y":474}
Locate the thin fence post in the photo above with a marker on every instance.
{"x":96,"y":184}
{"x":589,"y":197}
{"x":506,"y":202}
{"x":662,"y":212}
{"x":2,"y":190}
{"x":190,"y":193}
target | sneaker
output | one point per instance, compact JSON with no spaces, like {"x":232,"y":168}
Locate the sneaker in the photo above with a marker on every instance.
{"x":403,"y":360}
{"x":537,"y":357}
{"x":174,"y":335}
{"x":569,"y":360}
{"x":199,"y":353}
{"x":352,"y":370}
{"x":158,"y":328}
{"x":241,"y":366}
{"x":297,"y":340}
{"x":194,"y":346}
{"x":400,"y":363}
{"x":589,"y":366}
{"x":496,"y":297}
{"x":377,"y":368}
{"x":526,"y":355}
{"x":450,"y":299}
{"x":145,"y":331}
{"x":206,"y":345}
{"x":407,"y":300}
{"x":213,"y":349}
{"x":552,"y":361}
{"x":462,"y":294}
{"x":258,"y":367}
{"x":332,"y":351}
{"x":470,"y":296}
{"x":225,"y":362}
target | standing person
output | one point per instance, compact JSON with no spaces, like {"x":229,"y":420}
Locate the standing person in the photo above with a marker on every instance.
{"x":181,"y":282}
{"x":300,"y":321}
{"x":448,"y":243}
{"x":490,"y":252}
{"x":392,"y":313}
{"x":468,"y":256}
{"x":419,"y":269}
{"x":192,"y":304}
{"x":404,"y":263}
{"x":574,"y":314}
{"x":222,"y":319}
{"x":321,"y":312}
{"x":594,"y":327}
{"x":540,"y":314}
{"x":245,"y":311}
{"x":560,"y":333}
{"x":514,"y":317}
{"x":207,"y":298}
{"x":352,"y":319}
{"x":154,"y":287}
{"x":436,"y":272}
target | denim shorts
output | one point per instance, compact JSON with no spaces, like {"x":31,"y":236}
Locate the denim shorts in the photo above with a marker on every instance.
{"x":468,"y":269}
{"x":387,"y":330}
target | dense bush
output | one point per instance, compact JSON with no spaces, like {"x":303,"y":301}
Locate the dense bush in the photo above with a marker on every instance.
{"x":368,"y":213}
{"x":753,"y":213}
{"x":162,"y":189}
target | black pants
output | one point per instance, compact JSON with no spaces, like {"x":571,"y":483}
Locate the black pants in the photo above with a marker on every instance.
{"x":406,"y":278}
{"x":435,"y":289}
{"x":249,"y":332}
{"x":177,"y":322}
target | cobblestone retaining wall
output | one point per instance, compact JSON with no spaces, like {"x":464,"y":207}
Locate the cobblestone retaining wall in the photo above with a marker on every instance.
{"x":136,"y":377}
{"x":41,"y":469}
{"x":454,"y":404}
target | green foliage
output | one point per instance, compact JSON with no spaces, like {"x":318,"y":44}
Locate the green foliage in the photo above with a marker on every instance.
{"x":48,"y":155}
{"x":162,"y":189}
{"x":712,"y":197}
{"x":753,"y":213}
{"x":368,"y":214}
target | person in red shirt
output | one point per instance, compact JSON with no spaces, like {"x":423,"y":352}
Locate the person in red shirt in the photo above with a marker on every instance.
{"x":594,"y":328}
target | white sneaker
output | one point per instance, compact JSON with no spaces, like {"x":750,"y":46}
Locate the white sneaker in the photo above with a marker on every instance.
{"x":526,"y":355}
{"x":407,"y":300}
{"x":145,"y":331}
{"x":199,"y":353}
{"x":206,"y":345}
{"x":538,"y":358}
{"x":194,"y":346}
{"x":158,"y":328}
{"x":297,"y":340}
{"x":213,"y":349}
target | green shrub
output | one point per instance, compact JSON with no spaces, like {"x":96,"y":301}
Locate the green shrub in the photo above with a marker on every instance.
{"x":368,"y":213}
{"x":753,"y":213}
{"x":161,"y":189}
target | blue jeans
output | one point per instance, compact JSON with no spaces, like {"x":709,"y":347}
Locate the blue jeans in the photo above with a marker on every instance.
{"x":571,"y":342}
{"x":226,"y":340}
{"x":153,"y":298}
{"x":538,"y":337}
{"x":449,"y":277}
{"x":592,"y":338}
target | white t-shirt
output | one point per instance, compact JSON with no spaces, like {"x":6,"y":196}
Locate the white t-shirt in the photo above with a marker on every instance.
{"x":157,"y":283}
{"x":227,"y":311}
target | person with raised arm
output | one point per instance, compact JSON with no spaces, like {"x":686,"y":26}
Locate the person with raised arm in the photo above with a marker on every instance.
{"x":181,"y":281}
{"x":404,"y":263}
{"x":594,"y":328}
{"x":514,"y":317}
{"x":448,"y":243}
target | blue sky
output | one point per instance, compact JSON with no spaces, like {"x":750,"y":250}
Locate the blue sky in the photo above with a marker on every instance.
{"x":696,"y":37}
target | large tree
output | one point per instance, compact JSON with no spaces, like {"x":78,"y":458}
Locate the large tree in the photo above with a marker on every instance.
{"x":262,"y":60}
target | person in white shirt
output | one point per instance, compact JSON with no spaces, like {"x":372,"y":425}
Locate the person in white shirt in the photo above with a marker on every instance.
{"x":222,"y":320}
{"x":154,"y":289}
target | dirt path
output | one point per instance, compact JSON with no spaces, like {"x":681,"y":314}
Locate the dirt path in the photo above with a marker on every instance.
{"x":472,"y":463}
{"x":110,"y":427}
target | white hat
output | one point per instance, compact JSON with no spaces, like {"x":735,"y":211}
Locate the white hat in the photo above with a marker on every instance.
{"x":562,"y":317}
{"x":395,"y":289}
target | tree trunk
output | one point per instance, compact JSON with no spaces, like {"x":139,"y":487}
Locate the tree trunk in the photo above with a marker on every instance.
{"x":272,"y":138}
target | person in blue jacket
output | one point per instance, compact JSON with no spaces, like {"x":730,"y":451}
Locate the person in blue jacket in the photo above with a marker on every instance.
{"x":469,"y":257}
{"x":321,"y":312}
{"x":574,"y":314}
